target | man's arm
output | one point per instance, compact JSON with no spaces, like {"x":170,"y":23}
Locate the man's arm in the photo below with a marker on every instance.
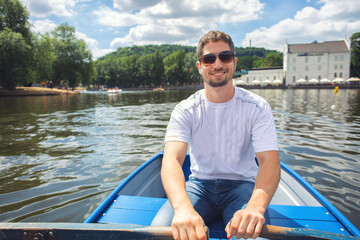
{"x":187,"y":223}
{"x":249,"y":221}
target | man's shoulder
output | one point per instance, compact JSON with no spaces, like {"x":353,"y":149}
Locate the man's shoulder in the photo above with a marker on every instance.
{"x":246,"y":96}
{"x":192,"y":101}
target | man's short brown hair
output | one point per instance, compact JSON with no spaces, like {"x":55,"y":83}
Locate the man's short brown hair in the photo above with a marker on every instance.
{"x":213,"y":36}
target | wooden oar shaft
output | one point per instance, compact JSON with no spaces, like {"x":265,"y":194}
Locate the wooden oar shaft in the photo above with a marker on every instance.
{"x":83,"y":231}
{"x":275,"y":232}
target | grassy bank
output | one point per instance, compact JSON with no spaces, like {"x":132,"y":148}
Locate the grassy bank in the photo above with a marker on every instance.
{"x":35,"y":91}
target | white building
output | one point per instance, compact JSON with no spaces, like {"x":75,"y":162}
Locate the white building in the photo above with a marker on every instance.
{"x":263,"y":76}
{"x":317,"y":60}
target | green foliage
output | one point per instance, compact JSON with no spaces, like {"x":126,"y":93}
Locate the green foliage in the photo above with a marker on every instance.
{"x":44,"y":57}
{"x":271,"y":60}
{"x":355,"y":55}
{"x":13,"y":15}
{"x":15,"y":55}
{"x":73,"y":60}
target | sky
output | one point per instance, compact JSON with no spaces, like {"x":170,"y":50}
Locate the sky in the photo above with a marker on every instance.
{"x":109,"y":24}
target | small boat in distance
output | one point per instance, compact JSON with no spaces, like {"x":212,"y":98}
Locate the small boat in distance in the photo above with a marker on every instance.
{"x":158,"y":89}
{"x":295,"y":205}
{"x":114,"y":90}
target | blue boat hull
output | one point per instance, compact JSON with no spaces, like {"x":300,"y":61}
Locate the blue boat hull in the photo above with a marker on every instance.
{"x":295,"y":204}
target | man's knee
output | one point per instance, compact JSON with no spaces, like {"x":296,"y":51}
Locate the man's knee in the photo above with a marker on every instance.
{"x":164,"y":216}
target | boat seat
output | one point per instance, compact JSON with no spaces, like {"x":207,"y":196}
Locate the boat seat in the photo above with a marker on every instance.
{"x":141,"y":210}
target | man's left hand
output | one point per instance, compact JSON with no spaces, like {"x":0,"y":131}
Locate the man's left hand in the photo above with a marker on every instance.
{"x":245,"y":223}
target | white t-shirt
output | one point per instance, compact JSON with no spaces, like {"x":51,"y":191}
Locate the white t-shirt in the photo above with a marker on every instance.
{"x":223,"y":137}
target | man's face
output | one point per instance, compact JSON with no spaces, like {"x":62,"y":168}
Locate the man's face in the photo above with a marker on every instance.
{"x":219,"y":73}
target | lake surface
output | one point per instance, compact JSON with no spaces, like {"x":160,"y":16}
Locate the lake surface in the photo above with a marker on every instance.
{"x":60,"y":156}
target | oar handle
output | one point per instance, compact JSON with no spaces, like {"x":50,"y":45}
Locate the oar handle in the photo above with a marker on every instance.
{"x":164,"y":232}
{"x":276,"y":232}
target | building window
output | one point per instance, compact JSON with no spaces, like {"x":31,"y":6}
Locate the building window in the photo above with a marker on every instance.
{"x":306,"y":68}
{"x":319,"y":59}
{"x":319,"y":77}
{"x":336,"y":57}
{"x":294,"y":68}
{"x":341,"y":66}
{"x":319,"y":67}
{"x":274,"y":78}
{"x":335,"y":75}
{"x":340,"y":74}
{"x":335,"y":66}
{"x":294,"y":78}
{"x":306,"y":78}
{"x":294,"y":60}
{"x":306,"y":59}
{"x":341,"y":57}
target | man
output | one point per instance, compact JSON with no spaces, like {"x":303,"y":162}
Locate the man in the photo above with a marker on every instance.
{"x":226,"y":128}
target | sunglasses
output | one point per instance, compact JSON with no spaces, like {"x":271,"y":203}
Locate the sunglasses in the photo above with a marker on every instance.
{"x":210,"y":58}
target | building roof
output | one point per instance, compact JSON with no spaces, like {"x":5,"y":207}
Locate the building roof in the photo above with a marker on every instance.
{"x":266,"y":68}
{"x":325,"y":47}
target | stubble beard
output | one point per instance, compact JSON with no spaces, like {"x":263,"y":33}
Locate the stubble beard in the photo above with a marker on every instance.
{"x":221,"y":83}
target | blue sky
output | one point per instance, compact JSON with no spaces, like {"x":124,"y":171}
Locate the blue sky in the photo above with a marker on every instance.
{"x":109,"y":24}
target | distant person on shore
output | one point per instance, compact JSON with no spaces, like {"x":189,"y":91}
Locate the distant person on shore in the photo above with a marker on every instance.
{"x":225,"y":128}
{"x":43,"y":83}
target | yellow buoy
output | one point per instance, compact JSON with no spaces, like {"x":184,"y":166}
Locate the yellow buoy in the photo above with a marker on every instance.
{"x":336,"y":89}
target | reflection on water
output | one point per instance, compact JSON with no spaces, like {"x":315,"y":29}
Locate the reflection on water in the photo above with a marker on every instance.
{"x":61,"y":155}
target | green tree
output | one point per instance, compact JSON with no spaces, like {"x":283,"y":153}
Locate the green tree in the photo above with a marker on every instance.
{"x":174,"y":66}
{"x":44,"y":57}
{"x":191,"y":70}
{"x":246,"y":62}
{"x":13,"y":15}
{"x":73,"y":60}
{"x":271,"y":60}
{"x":15,"y":55}
{"x":355,"y":55}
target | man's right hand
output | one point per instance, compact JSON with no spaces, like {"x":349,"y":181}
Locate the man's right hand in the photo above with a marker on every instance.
{"x":187,"y":224}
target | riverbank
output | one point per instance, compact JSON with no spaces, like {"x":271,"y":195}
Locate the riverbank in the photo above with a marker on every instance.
{"x":34,"y":91}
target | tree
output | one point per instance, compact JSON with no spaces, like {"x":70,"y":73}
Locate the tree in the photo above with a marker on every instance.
{"x":13,"y":15}
{"x":271,"y":60}
{"x":44,"y":57}
{"x":174,"y":66}
{"x":73,"y":60}
{"x":15,"y":55}
{"x":355,"y":55}
{"x":15,"y":44}
{"x":191,"y":70}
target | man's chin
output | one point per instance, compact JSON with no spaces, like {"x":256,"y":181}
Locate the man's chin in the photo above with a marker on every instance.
{"x":218,"y":84}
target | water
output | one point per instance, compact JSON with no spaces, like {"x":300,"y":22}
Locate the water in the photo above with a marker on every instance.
{"x":60,"y":156}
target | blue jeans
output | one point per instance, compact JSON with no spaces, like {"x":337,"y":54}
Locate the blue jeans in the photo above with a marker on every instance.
{"x":211,"y":199}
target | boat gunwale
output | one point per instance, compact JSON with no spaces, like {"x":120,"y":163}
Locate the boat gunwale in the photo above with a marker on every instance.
{"x":332,"y":209}
{"x":111,"y":197}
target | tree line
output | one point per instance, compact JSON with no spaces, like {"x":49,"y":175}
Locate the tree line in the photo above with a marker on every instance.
{"x":58,"y":56}
{"x":26,"y":57}
{"x":174,"y":65}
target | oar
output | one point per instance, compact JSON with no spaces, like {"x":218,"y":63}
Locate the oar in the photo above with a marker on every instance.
{"x":275,"y":232}
{"x":83,"y":231}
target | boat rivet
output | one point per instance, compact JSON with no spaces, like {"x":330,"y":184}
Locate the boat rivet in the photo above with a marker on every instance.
{"x":51,"y":234}
{"x":25,"y":234}
{"x":327,"y":213}
{"x":342,"y":229}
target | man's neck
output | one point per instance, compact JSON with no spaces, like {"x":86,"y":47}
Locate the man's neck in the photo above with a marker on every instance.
{"x":219,"y":94}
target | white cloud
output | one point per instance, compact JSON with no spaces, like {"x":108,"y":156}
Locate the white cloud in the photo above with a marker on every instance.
{"x":162,"y":21}
{"x":44,"y":8}
{"x":333,"y":19}
{"x":43,"y":26}
{"x":108,"y":17}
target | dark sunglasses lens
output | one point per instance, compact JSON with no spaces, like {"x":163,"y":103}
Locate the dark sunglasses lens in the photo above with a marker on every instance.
{"x":226,"y":57}
{"x":208,"y":59}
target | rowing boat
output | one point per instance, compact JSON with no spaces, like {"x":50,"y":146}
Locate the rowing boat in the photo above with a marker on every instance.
{"x":296,"y":204}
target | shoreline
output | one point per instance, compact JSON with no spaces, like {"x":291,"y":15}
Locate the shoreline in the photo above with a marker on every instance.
{"x":34,"y":91}
{"x":41,"y":91}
